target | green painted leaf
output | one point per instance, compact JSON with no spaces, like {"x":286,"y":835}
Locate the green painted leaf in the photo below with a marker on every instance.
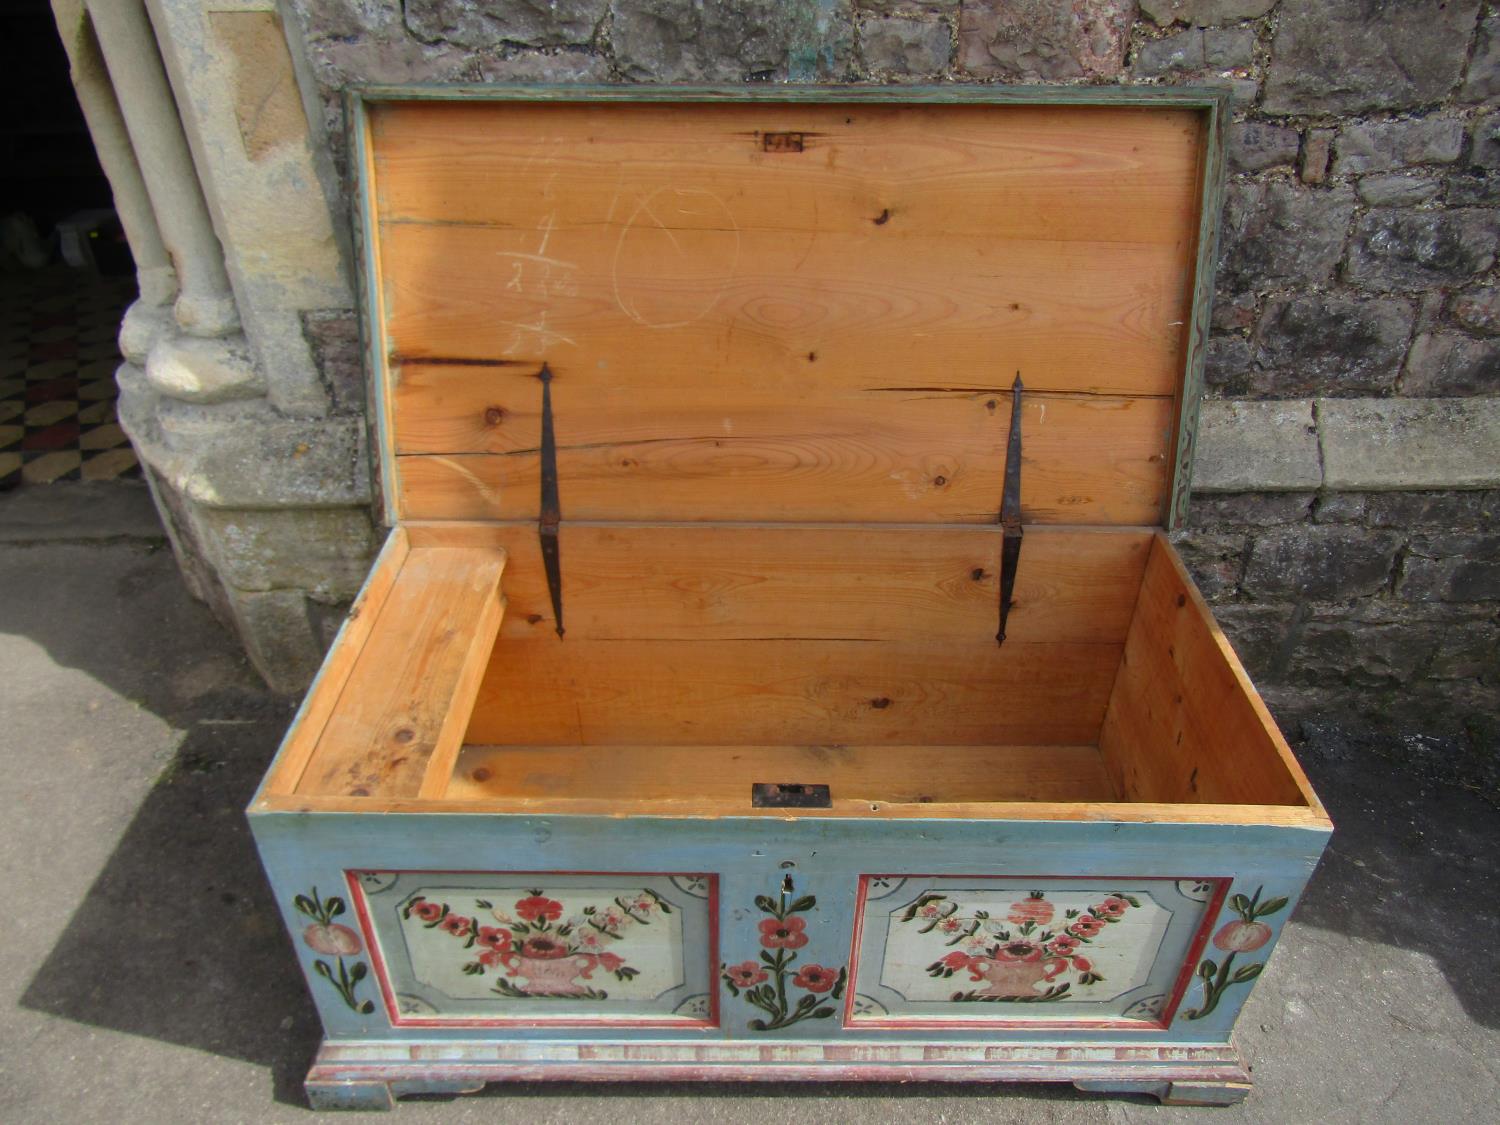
{"x":1270,"y":907}
{"x":334,"y":906}
{"x":1247,"y":972}
{"x":806,"y":902}
{"x":1207,"y":970}
{"x":1239,"y":904}
{"x":485,"y":904}
{"x":306,"y":906}
{"x":366,"y":1008}
{"x":766,"y":904}
{"x":359,"y":972}
{"x":822,"y":1013}
{"x":322,"y":969}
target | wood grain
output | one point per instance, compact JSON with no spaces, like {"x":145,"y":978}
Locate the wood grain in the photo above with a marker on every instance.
{"x":408,"y":697}
{"x":893,"y":774}
{"x":737,"y":582}
{"x":791,"y":692}
{"x":327,"y":688}
{"x":907,"y":456}
{"x":1049,"y":172}
{"x":1184,"y":722}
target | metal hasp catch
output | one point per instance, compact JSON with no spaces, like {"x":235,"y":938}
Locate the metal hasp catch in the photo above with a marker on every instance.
{"x":1010,"y":510}
{"x":550,"y":512}
{"x":786,"y":795}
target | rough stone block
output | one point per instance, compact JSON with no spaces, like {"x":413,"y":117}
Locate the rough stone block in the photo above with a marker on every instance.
{"x":1394,"y":249}
{"x":1450,"y":363}
{"x":323,"y":551}
{"x":538,"y":66}
{"x":1317,"y":151}
{"x":1249,"y":509}
{"x":1214,"y":560}
{"x":1227,"y":48}
{"x":907,"y":7}
{"x":1043,"y":40}
{"x":1478,"y":310}
{"x":905,"y":48}
{"x":1379,"y":444}
{"x":478,"y":23}
{"x":1397,"y":190}
{"x":1349,"y":56}
{"x":1452,"y":510}
{"x":1320,"y":562}
{"x":397,"y":59}
{"x":1234,"y":311}
{"x":1256,"y":447}
{"x":1204,"y":13}
{"x":333,"y":336}
{"x":1486,"y":152}
{"x":1255,"y":146}
{"x":1337,"y":650}
{"x":1467,"y":651}
{"x":1258,"y":634}
{"x":1326,"y":344}
{"x":1340,"y":507}
{"x":1386,"y":145}
{"x":193,"y":369}
{"x":1174,"y":54}
{"x":683,"y":40}
{"x":1482,"y":82}
{"x":1277,"y":233}
{"x":279,"y":636}
{"x":1453,"y":568}
{"x":1229,"y":365}
{"x":1474,"y":189}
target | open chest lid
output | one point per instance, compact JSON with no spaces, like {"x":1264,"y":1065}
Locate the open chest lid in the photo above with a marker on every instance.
{"x":786,"y":304}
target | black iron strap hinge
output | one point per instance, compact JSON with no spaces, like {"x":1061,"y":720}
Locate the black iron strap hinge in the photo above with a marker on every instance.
{"x":550,"y":511}
{"x":1010,"y":511}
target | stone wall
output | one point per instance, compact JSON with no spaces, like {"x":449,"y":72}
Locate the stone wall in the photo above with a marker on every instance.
{"x":1343,"y":520}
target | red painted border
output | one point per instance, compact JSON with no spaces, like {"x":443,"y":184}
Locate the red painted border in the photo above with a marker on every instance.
{"x":1179,"y":989}
{"x":388,"y":995}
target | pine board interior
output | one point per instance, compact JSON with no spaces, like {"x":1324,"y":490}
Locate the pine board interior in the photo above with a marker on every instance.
{"x":823,"y":334}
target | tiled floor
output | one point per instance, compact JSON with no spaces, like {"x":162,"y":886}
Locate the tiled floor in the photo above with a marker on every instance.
{"x":57,"y":377}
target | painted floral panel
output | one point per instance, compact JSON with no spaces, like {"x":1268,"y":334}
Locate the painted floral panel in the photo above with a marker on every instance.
{"x":567,"y":947}
{"x":1019,"y":949}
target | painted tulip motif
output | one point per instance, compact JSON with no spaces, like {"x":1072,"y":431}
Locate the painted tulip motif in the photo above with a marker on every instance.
{"x":1041,"y":958}
{"x":538,"y":952}
{"x":764,"y":984}
{"x":335,"y":940}
{"x":1244,"y":934}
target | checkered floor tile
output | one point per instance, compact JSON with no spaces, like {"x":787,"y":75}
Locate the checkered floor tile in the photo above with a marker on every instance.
{"x":57,"y":377}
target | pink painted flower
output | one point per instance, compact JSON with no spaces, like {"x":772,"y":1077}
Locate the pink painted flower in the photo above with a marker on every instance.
{"x":1033,"y":908}
{"x":644,"y":904}
{"x":747,"y":974}
{"x":1063,"y":944}
{"x":783,"y":933}
{"x":426,"y":911}
{"x":332,"y":940}
{"x":956,"y":960}
{"x":539,"y":907}
{"x":931,"y":910}
{"x":588,"y":938}
{"x":495,"y":938}
{"x":816,"y":978}
{"x":951,"y":925}
{"x":457,"y":925}
{"x":611,"y":918}
{"x":1082,"y":964}
{"x":543,"y":948}
{"x":1085,"y":926}
{"x":1112,"y":907}
{"x":1242,"y":937}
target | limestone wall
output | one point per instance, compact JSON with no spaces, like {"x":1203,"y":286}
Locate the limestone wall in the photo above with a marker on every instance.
{"x":1344,"y":513}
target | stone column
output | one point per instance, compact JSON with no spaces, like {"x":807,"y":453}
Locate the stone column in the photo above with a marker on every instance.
{"x":205,"y":304}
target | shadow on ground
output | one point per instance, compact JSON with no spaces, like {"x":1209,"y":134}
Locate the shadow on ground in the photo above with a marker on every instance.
{"x":178,"y":939}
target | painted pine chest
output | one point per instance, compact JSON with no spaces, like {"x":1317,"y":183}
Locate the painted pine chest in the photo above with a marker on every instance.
{"x":777,"y":667}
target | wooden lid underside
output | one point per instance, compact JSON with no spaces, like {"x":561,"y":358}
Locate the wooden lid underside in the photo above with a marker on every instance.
{"x":741,"y":330}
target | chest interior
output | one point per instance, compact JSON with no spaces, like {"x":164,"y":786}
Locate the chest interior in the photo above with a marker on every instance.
{"x":695,"y":426}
